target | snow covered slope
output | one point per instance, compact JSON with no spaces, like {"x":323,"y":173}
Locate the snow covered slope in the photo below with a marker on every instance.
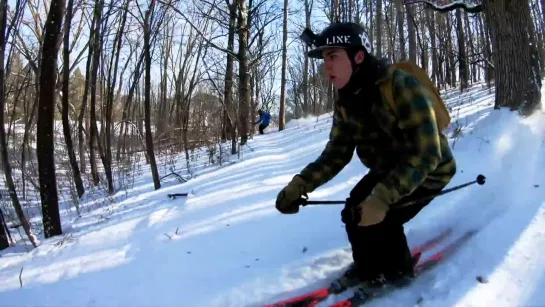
{"x":226,"y":245}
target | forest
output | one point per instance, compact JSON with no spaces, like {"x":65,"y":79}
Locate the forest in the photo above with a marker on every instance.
{"x":93,"y":90}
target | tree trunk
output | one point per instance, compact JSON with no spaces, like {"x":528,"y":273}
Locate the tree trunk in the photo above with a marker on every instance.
{"x":244,"y":78}
{"x":230,"y":127}
{"x":434,"y":57}
{"x":516,"y":83}
{"x":306,"y":64}
{"x":534,"y":50}
{"x":45,"y":136}
{"x":370,"y":23}
{"x":423,"y":42}
{"x":112,"y":79}
{"x":400,"y":28}
{"x":485,"y":41}
{"x":81,"y":117}
{"x":147,"y":96}
{"x":282,"y":114}
{"x":439,"y":28}
{"x":103,"y":150}
{"x":93,"y":131}
{"x":130,"y":96}
{"x":379,"y":29}
{"x":538,"y":27}
{"x":65,"y":103}
{"x":450,"y":71}
{"x":163,"y":102}
{"x":463,"y":69}
{"x":473,"y":68}
{"x":412,"y":34}
{"x":334,"y":11}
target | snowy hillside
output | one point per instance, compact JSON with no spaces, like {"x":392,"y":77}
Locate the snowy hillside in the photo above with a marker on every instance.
{"x":226,"y":245}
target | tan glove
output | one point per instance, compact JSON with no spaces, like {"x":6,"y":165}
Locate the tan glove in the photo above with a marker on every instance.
{"x":375,"y":207}
{"x":292,"y":192}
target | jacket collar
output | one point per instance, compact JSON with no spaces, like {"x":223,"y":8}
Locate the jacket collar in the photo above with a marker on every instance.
{"x":365,"y":79}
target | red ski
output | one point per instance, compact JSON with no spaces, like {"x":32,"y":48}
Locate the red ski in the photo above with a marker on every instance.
{"x":313,"y":298}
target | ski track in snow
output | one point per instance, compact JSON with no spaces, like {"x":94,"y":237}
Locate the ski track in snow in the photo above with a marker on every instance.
{"x":226,"y":245}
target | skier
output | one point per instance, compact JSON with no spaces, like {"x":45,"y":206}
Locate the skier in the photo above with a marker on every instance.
{"x":407,"y":155}
{"x":263,"y":120}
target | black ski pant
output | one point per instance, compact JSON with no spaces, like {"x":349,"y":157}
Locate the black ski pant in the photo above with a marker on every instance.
{"x":261,"y":128}
{"x":381,"y":248}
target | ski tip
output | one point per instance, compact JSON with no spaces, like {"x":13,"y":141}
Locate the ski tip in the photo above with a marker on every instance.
{"x":345,"y":303}
{"x":306,"y":300}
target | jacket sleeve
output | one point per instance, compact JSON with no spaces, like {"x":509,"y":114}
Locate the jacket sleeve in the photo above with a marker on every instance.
{"x":416,"y":118}
{"x":336,"y":155}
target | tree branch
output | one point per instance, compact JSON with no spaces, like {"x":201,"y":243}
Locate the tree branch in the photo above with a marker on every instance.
{"x":457,"y":4}
{"x":197,"y":29}
{"x":254,"y":61}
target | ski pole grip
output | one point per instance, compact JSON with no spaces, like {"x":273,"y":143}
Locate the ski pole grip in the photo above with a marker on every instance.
{"x":300,"y":202}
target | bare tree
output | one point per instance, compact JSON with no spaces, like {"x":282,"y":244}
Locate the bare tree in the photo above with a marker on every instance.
{"x":229,"y":121}
{"x":516,"y":69}
{"x":96,"y":52}
{"x":147,"y":99}
{"x":46,"y":115}
{"x":400,"y":28}
{"x":516,"y":80}
{"x":308,"y":4}
{"x":462,"y":58}
{"x":243,"y":71}
{"x":65,"y":102}
{"x":282,"y":113}
{"x":6,"y":165}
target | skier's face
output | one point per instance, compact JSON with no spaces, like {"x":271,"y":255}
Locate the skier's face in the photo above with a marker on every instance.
{"x":338,"y":66}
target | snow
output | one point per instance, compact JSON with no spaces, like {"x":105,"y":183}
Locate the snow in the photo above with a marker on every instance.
{"x":226,"y":245}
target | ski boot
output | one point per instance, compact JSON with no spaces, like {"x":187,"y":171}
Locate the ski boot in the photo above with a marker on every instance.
{"x":350,"y":278}
{"x":378,"y":286}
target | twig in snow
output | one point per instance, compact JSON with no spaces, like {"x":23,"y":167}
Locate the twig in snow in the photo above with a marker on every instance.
{"x":483,"y":140}
{"x":20,"y":277}
{"x":66,"y":238}
{"x":177,"y":230}
{"x":172,"y":173}
{"x":168,"y":236}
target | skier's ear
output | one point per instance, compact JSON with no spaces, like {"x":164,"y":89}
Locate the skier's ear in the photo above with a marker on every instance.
{"x":360,"y":56}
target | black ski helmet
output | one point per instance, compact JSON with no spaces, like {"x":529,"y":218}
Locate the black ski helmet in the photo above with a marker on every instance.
{"x":337,"y":35}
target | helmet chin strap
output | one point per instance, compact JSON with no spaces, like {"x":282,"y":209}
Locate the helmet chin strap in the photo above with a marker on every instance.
{"x":352,"y":57}
{"x":351,"y":52}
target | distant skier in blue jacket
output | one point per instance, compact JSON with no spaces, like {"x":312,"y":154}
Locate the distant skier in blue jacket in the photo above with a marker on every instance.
{"x":263,"y":120}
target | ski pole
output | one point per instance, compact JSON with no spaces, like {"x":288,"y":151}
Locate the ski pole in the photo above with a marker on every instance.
{"x":249,"y":147}
{"x":481,"y":179}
